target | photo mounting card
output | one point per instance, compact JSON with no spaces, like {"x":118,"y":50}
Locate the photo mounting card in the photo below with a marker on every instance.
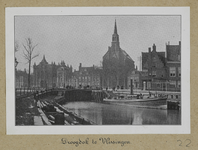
{"x":91,"y":70}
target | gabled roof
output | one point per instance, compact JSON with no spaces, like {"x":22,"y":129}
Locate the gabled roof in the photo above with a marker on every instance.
{"x":161,"y":55}
{"x":126,"y":55}
{"x":145,"y":55}
{"x":116,"y":54}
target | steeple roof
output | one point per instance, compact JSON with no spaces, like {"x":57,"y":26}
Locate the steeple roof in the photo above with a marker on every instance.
{"x":115,"y":28}
{"x":44,"y":60}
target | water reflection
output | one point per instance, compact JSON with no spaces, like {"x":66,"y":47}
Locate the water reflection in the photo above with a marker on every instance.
{"x":109,"y":114}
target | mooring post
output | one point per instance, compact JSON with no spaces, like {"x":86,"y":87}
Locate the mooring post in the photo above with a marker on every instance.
{"x":131,"y":86}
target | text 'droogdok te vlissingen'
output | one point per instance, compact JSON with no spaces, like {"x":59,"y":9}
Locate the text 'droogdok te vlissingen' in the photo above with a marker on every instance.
{"x":88,"y":141}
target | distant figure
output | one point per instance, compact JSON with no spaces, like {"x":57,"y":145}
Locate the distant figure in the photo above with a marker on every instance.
{"x":141,"y":96}
{"x":149,"y":94}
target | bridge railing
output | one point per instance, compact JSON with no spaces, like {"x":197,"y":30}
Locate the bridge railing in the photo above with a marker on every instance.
{"x":25,"y":91}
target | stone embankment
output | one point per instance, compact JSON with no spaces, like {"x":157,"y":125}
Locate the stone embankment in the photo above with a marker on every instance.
{"x":52,"y":113}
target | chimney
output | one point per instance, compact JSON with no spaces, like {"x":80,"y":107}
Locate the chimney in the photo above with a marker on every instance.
{"x":149,"y":49}
{"x":154,"y":47}
{"x":80,"y":66}
{"x":179,"y":43}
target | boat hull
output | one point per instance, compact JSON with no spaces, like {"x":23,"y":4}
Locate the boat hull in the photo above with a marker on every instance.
{"x":141,"y":102}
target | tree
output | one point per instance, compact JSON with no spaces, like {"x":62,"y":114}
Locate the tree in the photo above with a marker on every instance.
{"x":28,"y":54}
{"x":16,"y":49}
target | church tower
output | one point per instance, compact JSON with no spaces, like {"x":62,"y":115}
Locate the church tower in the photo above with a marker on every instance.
{"x":115,"y":44}
{"x":116,"y":64}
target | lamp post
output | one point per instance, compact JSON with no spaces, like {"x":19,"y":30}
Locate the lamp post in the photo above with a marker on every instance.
{"x":131,"y":86}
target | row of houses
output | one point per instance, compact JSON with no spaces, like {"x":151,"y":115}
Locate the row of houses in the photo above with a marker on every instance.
{"x":59,"y":75}
{"x":161,"y":70}
{"x":84,"y":77}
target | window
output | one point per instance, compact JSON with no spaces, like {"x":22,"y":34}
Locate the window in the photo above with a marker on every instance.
{"x":154,"y":73}
{"x":179,"y":71}
{"x":179,"y":57}
{"x":172,"y":72}
{"x":178,"y":84}
{"x":158,"y":85}
{"x":173,"y":83}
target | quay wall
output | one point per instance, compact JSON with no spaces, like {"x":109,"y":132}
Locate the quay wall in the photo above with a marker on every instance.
{"x":78,"y":95}
{"x":72,"y":95}
{"x":84,"y":95}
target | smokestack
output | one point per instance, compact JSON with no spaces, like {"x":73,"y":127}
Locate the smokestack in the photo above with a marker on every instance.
{"x":154,"y":47}
{"x":80,"y":66}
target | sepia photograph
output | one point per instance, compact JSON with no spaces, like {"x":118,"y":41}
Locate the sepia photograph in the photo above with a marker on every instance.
{"x":98,"y":70}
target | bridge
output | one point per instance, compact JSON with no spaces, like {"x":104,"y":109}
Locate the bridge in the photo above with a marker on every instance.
{"x":68,"y":95}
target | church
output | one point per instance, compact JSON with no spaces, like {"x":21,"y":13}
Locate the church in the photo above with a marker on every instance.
{"x":116,"y":64}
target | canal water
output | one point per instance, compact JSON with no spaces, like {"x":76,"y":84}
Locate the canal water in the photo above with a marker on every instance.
{"x":111,"y":114}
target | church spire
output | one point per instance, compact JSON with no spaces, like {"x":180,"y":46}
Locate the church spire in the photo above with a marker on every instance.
{"x":115,"y":28}
{"x":44,"y":58}
{"x":115,"y":38}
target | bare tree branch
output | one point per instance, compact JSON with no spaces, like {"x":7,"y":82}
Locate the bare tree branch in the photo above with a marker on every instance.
{"x":35,"y":56}
{"x":34,"y":47}
{"x":27,"y":50}
{"x":28,"y":54}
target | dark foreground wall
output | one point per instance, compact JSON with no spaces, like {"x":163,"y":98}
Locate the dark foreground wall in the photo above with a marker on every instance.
{"x":78,"y":95}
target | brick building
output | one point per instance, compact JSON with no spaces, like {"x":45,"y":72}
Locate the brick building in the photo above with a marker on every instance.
{"x":135,"y":75}
{"x":64,"y":75}
{"x":116,"y":64}
{"x":21,"y":79}
{"x":174,"y":66}
{"x":153,"y":69}
{"x":88,"y":77}
{"x":160,"y":72}
{"x":45,"y":74}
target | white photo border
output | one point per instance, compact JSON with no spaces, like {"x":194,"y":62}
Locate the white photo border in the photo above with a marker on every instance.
{"x":184,"y":128}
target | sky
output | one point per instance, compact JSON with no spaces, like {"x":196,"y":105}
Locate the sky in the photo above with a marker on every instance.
{"x":85,"y":39}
